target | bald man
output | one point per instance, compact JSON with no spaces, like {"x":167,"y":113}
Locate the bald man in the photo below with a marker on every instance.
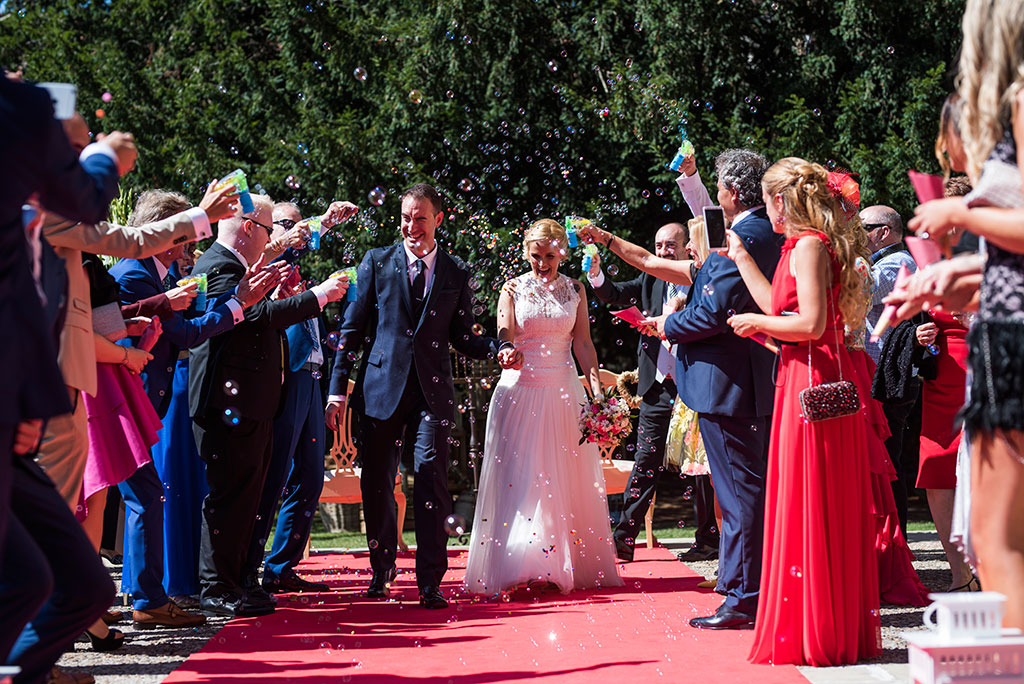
{"x":658,"y":391}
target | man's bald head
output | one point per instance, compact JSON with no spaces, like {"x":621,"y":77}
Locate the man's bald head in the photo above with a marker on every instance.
{"x":670,"y":241}
{"x":883,"y":225}
{"x":249,"y":233}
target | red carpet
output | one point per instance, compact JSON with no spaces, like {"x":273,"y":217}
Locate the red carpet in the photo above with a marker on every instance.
{"x":636,"y":633}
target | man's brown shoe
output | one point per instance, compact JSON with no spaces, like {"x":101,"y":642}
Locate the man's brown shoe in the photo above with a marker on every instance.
{"x":59,"y":676}
{"x":167,"y":615}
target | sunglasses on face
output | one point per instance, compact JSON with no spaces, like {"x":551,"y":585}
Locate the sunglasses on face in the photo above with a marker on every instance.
{"x":287,"y":224}
{"x":869,"y":227}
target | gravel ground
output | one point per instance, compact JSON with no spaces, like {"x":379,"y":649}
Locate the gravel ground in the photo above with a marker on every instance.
{"x":149,"y":656}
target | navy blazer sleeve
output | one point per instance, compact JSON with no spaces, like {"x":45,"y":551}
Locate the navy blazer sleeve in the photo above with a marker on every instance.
{"x":354,"y":324}
{"x":723,"y":292}
{"x":266,"y":313}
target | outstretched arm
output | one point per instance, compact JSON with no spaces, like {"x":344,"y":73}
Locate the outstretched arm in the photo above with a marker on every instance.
{"x":582,"y":344}
{"x":677,"y":272}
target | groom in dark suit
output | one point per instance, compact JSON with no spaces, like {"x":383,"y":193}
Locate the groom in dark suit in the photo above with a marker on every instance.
{"x":727,"y":380}
{"x":414,"y":300}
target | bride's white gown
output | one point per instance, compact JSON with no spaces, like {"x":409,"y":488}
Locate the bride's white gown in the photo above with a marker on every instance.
{"x":541,"y":510}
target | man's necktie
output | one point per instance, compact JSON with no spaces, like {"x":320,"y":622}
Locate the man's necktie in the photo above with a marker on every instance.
{"x":169,"y":282}
{"x":419,"y":283}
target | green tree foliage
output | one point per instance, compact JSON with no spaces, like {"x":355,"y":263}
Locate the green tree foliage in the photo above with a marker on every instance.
{"x":517,"y":109}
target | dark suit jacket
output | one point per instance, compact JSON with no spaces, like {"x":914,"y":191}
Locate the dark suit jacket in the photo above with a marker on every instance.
{"x":647,"y":293}
{"x":139,"y":279}
{"x":718,"y":372}
{"x":37,"y":159}
{"x":252,"y":355}
{"x":383,"y":312}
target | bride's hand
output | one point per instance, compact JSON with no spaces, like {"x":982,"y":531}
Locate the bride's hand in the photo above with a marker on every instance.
{"x":510,"y":358}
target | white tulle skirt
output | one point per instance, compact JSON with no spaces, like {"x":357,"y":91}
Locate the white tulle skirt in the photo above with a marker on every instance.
{"x":542,"y":513}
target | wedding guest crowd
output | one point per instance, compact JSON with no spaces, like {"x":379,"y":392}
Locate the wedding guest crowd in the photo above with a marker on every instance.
{"x":794,"y":354}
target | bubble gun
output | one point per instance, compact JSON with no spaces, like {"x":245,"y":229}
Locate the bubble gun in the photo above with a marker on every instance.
{"x":237,"y":179}
{"x":684,"y":151}
{"x":588,"y":257}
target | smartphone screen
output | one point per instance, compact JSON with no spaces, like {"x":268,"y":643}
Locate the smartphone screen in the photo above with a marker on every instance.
{"x":714,"y":221}
{"x":64,"y":97}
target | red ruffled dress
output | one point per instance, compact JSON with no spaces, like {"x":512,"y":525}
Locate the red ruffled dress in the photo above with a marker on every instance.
{"x":941,"y":399}
{"x":818,"y":602}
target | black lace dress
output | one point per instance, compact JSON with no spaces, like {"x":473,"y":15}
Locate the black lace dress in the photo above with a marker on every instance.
{"x":997,"y":339}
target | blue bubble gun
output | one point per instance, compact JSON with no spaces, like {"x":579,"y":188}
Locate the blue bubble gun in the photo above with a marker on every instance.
{"x":684,"y":151}
{"x":237,"y":179}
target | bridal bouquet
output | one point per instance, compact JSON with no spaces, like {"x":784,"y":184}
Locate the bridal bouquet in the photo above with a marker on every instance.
{"x":605,"y":420}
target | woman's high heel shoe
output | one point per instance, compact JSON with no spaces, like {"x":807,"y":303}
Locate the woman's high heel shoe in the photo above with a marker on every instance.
{"x":972,"y":585}
{"x":111,"y":642}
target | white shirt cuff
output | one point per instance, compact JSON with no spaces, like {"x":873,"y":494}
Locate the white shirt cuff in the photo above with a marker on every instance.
{"x":237,"y":312}
{"x":687,"y":183}
{"x":321,"y":296}
{"x":200,"y":223}
{"x":336,"y":397}
{"x":598,"y":280}
{"x":98,"y":148}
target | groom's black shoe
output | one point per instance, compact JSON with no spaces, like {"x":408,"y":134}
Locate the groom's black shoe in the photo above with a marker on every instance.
{"x":430,"y":597}
{"x":380,"y":585}
{"x":724,"y":618}
{"x":623,"y":550}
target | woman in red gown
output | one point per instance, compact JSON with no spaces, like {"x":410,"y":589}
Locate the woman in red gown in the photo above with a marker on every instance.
{"x":818,"y":602}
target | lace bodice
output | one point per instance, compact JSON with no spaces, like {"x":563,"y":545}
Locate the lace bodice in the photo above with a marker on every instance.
{"x":545,"y":315}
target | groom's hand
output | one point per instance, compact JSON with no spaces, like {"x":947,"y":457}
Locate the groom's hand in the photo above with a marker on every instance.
{"x":510,"y":358}
{"x":334,"y":413}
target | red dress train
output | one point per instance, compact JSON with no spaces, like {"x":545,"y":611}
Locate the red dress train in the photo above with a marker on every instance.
{"x":818,"y":602}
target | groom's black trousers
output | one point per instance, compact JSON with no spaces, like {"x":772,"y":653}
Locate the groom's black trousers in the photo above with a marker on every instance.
{"x":381,"y":449}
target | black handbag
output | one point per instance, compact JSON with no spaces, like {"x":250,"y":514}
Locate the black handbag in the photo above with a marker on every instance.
{"x":831,"y":399}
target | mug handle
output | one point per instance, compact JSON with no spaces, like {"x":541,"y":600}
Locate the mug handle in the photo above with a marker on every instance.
{"x":929,"y":613}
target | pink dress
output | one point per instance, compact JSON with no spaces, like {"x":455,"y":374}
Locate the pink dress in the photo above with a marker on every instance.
{"x":122,"y":426}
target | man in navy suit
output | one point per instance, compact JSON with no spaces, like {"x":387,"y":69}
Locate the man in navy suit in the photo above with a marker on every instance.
{"x":728,"y":381}
{"x":143,"y":491}
{"x":50,"y":573}
{"x":414,"y":300}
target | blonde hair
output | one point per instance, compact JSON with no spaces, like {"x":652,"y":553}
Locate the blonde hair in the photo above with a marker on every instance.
{"x":548,"y":230}
{"x":949,"y":123}
{"x":698,"y":236}
{"x":991,"y":74}
{"x":809,"y":203}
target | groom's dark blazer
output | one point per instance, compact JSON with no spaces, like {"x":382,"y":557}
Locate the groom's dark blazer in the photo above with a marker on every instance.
{"x":397,"y":343}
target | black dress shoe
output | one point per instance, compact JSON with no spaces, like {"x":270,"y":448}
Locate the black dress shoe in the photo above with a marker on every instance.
{"x":698,"y":552}
{"x":623,"y":550}
{"x":724,"y":618}
{"x":430,"y":597}
{"x":380,"y":585}
{"x":227,"y":605}
{"x":257,"y":596}
{"x":293,"y":584}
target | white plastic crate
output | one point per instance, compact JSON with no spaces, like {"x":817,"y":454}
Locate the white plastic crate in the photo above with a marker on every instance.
{"x":993,"y":660}
{"x":968,"y":613}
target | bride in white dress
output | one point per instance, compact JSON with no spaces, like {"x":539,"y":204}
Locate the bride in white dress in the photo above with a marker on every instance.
{"x":542,"y":514}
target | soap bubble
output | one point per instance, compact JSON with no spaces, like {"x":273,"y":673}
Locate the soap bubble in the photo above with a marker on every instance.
{"x":465,"y":185}
{"x":231,"y":417}
{"x":231,"y":388}
{"x":709,"y":290}
{"x":100,"y":113}
{"x":359,"y":73}
{"x":292,"y":182}
{"x":553,"y":66}
{"x":415,"y":96}
{"x":333,"y":340}
{"x":891,"y":50}
{"x":613,"y":270}
{"x":455,"y":525}
{"x":478,"y":329}
{"x":373,"y":544}
{"x":796,"y":572}
{"x":377,"y":196}
{"x":106,"y":97}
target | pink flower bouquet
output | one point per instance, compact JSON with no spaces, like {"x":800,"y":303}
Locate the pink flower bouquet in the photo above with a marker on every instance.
{"x":605,"y":420}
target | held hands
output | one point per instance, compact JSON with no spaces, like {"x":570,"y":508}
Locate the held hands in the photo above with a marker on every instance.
{"x":938,"y":217}
{"x":510,"y":358}
{"x":181,"y":297}
{"x":219,"y":204}
{"x":744,"y":324}
{"x":124,"y":148}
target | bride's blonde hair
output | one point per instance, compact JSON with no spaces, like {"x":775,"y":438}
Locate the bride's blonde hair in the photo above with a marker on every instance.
{"x":548,"y":230}
{"x":991,"y":74}
{"x":809,"y":204}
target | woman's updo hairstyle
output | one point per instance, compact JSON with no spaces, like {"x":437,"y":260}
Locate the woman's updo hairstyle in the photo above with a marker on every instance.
{"x":548,"y":230}
{"x":810,"y":204}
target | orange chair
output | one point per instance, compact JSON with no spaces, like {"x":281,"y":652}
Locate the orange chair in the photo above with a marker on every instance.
{"x":341,"y":485}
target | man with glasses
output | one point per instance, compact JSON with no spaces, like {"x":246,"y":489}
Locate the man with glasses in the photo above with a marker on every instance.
{"x":235,"y":390}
